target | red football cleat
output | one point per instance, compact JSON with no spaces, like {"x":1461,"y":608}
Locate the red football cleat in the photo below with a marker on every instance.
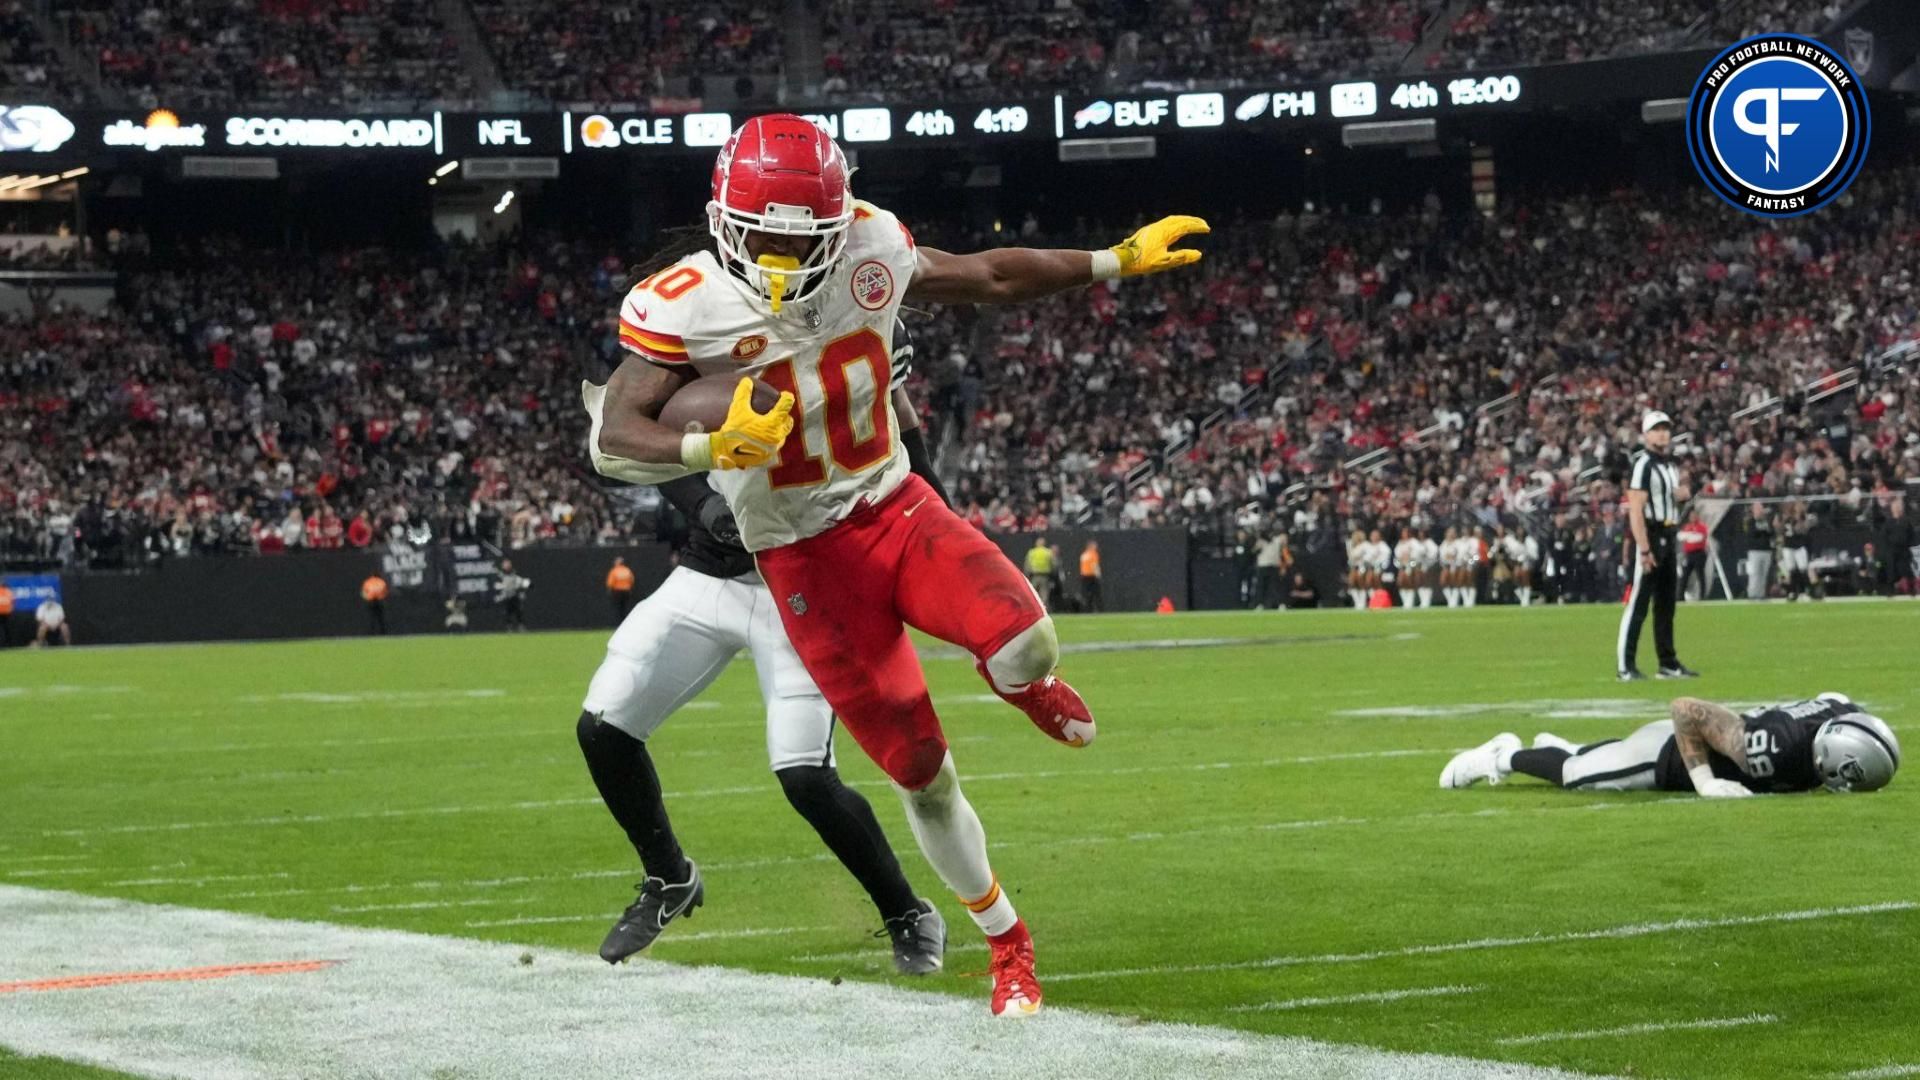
{"x":1015,"y":991}
{"x":1053,"y":706}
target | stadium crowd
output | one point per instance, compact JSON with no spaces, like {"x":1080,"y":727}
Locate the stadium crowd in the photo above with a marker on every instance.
{"x":210,"y":53}
{"x":241,"y":401}
{"x":29,"y":69}
{"x":1401,"y":370}
{"x":591,"y":51}
{"x":1495,"y":32}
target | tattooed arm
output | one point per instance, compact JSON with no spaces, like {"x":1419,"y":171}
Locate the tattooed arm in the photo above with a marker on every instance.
{"x":1701,"y":726}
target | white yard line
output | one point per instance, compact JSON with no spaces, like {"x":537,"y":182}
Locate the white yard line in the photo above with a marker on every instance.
{"x":1880,"y":1072}
{"x":410,"y":1005}
{"x":1640,"y":1029}
{"x":431,"y":905}
{"x":609,"y":916}
{"x":1630,"y":931}
{"x":1377,"y":998}
{"x":197,"y":881}
{"x":64,"y":871}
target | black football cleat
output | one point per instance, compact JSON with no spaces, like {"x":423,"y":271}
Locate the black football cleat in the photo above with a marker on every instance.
{"x":1632,"y":675}
{"x":658,"y":904}
{"x":1678,"y":671}
{"x":919,"y":940}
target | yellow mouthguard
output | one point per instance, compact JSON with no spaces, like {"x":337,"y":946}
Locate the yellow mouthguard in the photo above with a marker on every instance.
{"x":777,"y":281}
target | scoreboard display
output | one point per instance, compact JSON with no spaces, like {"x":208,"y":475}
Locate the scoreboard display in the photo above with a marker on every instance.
{"x":660,"y":128}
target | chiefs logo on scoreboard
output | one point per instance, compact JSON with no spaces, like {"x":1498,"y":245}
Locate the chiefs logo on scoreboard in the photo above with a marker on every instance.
{"x":872,"y":285}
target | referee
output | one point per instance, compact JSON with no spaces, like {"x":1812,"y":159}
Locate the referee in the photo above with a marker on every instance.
{"x":1653,"y":517}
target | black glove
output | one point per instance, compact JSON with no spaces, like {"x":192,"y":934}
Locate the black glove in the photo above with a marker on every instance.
{"x":717,"y":519}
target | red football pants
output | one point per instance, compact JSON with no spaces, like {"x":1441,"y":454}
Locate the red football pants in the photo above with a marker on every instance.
{"x":847,"y":596}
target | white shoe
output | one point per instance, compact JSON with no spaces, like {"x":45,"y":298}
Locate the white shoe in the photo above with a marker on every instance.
{"x":1469,"y":767}
{"x":1547,"y":740}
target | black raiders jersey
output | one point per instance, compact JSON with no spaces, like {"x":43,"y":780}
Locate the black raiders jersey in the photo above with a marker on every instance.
{"x":706,"y":553}
{"x":1779,"y":750}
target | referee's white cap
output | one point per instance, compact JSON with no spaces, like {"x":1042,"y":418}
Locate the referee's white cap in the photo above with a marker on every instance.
{"x":1653,"y":420}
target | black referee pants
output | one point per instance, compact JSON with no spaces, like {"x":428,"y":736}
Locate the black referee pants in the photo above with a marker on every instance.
{"x":1657,"y":589}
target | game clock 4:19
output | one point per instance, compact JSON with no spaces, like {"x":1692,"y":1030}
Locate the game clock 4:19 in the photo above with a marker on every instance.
{"x":992,"y":120}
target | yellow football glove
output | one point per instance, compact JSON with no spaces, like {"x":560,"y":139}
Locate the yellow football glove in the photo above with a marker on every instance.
{"x":1150,"y":250}
{"x":750,"y":439}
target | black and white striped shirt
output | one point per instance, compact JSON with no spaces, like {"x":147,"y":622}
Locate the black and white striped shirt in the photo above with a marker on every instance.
{"x":1653,"y":473}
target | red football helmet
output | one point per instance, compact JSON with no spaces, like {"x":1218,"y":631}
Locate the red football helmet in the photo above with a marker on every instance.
{"x":780,"y":174}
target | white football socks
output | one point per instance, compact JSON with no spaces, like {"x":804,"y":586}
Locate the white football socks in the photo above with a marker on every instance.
{"x":1029,"y":657}
{"x":951,"y":837}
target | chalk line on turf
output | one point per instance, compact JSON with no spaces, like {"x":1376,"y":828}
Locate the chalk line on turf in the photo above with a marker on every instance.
{"x":1650,"y":1028}
{"x":1377,"y":997}
{"x":401,"y":1004}
{"x":1630,"y":931}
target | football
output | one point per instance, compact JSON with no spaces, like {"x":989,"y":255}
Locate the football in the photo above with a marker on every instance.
{"x":702,"y":404}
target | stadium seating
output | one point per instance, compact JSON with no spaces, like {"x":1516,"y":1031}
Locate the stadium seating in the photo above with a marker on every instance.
{"x":592,"y":51}
{"x":1395,"y":324}
{"x":312,"y":53}
{"x":29,"y":70}
{"x":1368,"y":368}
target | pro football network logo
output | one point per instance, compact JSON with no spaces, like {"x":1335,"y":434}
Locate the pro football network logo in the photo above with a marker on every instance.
{"x":1778,"y":125}
{"x":749,"y":347}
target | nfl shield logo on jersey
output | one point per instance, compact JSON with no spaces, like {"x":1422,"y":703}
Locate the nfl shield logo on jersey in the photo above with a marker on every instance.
{"x":872,"y":285}
{"x":798,"y":603}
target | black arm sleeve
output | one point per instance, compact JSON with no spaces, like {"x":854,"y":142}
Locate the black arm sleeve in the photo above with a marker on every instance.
{"x":921,"y":461}
{"x":687,"y":493}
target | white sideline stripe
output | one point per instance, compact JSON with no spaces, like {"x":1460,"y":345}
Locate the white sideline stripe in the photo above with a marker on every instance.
{"x":1107,"y":838}
{"x":410,"y":1005}
{"x":1881,"y":1072}
{"x":1640,"y":1029}
{"x":547,"y":804}
{"x":1630,"y":931}
{"x":1378,"y":997}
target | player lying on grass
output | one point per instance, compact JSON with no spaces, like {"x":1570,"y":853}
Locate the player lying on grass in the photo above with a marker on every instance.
{"x":672,"y":646}
{"x":1706,"y":748}
{"x":800,"y":290}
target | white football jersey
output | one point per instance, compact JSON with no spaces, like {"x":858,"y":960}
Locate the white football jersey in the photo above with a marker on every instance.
{"x":833,"y":351}
{"x":1407,"y":553}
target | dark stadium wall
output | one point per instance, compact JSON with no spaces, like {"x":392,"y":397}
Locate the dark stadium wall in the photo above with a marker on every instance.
{"x":1137,"y":566}
{"x":318,"y":595}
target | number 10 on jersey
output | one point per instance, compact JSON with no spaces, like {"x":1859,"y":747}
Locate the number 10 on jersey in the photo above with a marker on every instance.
{"x":800,"y":464}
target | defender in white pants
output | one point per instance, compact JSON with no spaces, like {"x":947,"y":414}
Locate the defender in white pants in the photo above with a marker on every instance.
{"x":672,"y":646}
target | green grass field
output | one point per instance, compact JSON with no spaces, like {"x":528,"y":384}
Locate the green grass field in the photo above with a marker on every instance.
{"x":1271,"y":798}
